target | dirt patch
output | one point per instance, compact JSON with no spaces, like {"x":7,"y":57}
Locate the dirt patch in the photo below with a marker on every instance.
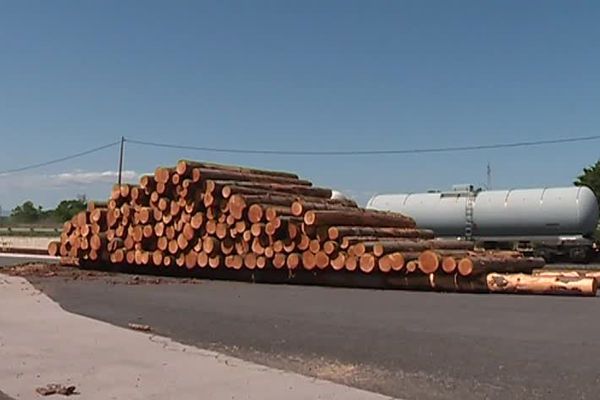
{"x":47,"y":270}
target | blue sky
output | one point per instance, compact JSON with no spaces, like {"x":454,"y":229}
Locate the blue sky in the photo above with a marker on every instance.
{"x":304,"y":75}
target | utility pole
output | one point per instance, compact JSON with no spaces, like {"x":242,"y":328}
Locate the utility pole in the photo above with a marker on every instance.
{"x":121,"y":158}
{"x":489,"y":176}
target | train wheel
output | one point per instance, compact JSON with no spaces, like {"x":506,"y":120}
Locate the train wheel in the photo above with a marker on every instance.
{"x":546,"y":254}
{"x":580,"y":255}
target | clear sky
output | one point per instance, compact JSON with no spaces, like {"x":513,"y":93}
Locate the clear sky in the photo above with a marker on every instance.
{"x":303,"y":75}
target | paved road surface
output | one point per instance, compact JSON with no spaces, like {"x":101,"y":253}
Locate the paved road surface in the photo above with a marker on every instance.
{"x":407,"y":344}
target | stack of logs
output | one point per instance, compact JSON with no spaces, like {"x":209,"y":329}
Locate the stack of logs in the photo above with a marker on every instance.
{"x":207,"y":216}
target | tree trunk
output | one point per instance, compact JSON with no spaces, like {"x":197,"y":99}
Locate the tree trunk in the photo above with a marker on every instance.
{"x":185,"y":167}
{"x":359,"y":217}
{"x":527,"y":284}
{"x":479,"y":265}
{"x":339,"y":232}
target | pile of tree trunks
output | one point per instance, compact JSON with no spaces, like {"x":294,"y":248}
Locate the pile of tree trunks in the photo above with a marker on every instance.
{"x":204,"y":216}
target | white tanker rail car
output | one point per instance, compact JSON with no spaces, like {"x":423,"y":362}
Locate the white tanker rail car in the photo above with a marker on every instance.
{"x":551,"y":223}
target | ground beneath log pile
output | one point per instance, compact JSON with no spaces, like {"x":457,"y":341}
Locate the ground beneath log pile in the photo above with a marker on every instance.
{"x":412,"y":345}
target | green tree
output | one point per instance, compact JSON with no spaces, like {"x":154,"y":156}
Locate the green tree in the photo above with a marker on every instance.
{"x":590,"y":178}
{"x":26,"y":212}
{"x":66,"y":209}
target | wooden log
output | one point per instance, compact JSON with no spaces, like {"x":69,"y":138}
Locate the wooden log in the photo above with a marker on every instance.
{"x":130,"y":257}
{"x":191,"y":260}
{"x":222,"y":230}
{"x":147,"y":182}
{"x":163,"y":174}
{"x":314,"y":246}
{"x":367,"y":263}
{"x":384,"y":247}
{"x":358,"y":217}
{"x":250,"y":261}
{"x":429,"y":261}
{"x":279,"y":260}
{"x":242,"y":246}
{"x":528,"y":284}
{"x":294,"y":261}
{"x":180,"y":259}
{"x":118,"y":256}
{"x":98,"y":242}
{"x":185,"y":167}
{"x":479,"y":265}
{"x":261,"y":262}
{"x":202,"y":259}
{"x":53,"y":248}
{"x":303,"y":242}
{"x":94,"y":204}
{"x":162,"y":243}
{"x":197,"y":220}
{"x":338,"y":232}
{"x":338,"y":261}
{"x":412,"y":266}
{"x":210,"y":245}
{"x":173,"y":247}
{"x":330,"y":247}
{"x":389,"y":262}
{"x":568,"y":273}
{"x":229,"y":188}
{"x":449,"y":264}
{"x":308,"y":260}
{"x":351,"y":263}
{"x":224,"y":175}
{"x":157,"y":257}
{"x":272,"y":213}
{"x":321,"y":260}
{"x":227,"y":246}
{"x":98,"y":218}
{"x":269,"y":252}
{"x":299,"y":207}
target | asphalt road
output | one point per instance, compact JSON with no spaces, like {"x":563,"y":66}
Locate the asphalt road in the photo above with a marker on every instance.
{"x":412,"y":345}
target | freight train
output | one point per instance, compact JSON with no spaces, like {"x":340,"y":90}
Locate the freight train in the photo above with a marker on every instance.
{"x":554,"y":223}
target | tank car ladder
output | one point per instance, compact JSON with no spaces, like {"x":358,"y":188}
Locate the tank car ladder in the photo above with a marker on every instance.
{"x":469,"y":206}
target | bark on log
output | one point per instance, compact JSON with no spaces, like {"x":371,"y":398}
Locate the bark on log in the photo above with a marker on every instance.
{"x":479,"y":265}
{"x":568,"y":273}
{"x":528,"y":284}
{"x":229,"y":188}
{"x":338,"y":232}
{"x":185,"y":167}
{"x":299,"y":207}
{"x":224,"y":175}
{"x":358,"y":217}
{"x":384,"y":247}
{"x":93,"y":204}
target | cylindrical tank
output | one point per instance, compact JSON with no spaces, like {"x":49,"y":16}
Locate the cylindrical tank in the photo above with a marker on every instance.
{"x":517,"y":212}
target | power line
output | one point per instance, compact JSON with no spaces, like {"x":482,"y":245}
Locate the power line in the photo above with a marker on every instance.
{"x":367,"y":152}
{"x":58,"y":160}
